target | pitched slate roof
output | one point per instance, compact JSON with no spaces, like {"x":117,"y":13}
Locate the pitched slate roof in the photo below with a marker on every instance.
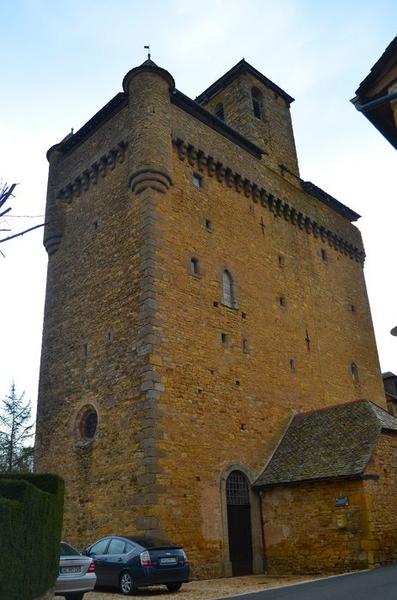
{"x":388,"y":374}
{"x":240,"y":68}
{"x":377,"y":69}
{"x":332,"y":442}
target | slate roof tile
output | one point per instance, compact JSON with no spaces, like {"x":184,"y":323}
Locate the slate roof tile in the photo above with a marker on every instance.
{"x":332,"y":442}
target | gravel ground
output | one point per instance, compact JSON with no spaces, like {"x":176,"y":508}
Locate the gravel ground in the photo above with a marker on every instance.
{"x":204,"y":589}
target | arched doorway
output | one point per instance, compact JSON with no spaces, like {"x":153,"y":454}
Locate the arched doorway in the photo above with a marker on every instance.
{"x":239,"y":523}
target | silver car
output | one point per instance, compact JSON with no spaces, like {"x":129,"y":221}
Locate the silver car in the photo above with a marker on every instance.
{"x":76,"y":574}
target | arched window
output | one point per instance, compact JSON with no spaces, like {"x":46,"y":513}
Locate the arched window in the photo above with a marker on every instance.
{"x":257,"y":102}
{"x":228,"y":289}
{"x":354,"y":372}
{"x":219,"y":111}
{"x":237,"y":489}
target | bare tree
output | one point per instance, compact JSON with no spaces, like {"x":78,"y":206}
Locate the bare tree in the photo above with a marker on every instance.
{"x":15,"y":431}
{"x":6,"y":193}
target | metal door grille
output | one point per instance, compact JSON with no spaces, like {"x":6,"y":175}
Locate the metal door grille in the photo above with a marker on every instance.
{"x":237,"y":490}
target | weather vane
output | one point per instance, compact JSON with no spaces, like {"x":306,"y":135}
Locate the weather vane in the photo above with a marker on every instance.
{"x":148,"y":49}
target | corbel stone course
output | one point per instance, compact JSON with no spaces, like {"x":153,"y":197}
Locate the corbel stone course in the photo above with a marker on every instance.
{"x":256,"y":193}
{"x":90,"y":175}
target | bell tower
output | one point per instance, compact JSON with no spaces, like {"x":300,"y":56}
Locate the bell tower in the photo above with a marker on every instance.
{"x":257,"y":108}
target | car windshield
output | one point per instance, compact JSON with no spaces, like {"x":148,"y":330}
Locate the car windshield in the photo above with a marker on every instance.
{"x":67,"y":550}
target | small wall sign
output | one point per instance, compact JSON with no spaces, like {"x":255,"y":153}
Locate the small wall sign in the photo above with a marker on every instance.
{"x":341,"y":521}
{"x":342,"y":501}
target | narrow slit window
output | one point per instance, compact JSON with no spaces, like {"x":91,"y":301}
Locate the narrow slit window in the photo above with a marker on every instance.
{"x":257,"y":103}
{"x":354,"y":372}
{"x":194,"y":266}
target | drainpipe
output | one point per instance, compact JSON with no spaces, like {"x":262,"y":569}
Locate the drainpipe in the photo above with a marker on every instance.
{"x":262,"y":531}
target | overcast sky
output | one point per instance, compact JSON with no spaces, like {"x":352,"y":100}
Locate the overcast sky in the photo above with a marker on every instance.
{"x":62,"y":61}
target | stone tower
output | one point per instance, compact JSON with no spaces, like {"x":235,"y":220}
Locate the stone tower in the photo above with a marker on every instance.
{"x":199,"y":294}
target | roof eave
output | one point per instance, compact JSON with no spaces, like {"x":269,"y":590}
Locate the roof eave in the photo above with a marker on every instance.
{"x":323,"y":196}
{"x":259,"y":486}
{"x":104,"y":114}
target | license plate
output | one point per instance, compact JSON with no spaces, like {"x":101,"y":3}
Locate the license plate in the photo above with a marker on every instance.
{"x":65,"y":570}
{"x":168,"y":561}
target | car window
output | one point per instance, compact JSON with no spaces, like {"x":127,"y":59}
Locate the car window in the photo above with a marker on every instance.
{"x":129,"y":547}
{"x":67,"y":550}
{"x":116,"y":546}
{"x":99,"y":547}
{"x":149,"y":542}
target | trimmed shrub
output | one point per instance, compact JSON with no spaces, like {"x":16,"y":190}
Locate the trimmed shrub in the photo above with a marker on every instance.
{"x":31,"y":512}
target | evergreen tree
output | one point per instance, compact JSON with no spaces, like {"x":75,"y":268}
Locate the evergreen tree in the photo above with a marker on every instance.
{"x":15,"y":431}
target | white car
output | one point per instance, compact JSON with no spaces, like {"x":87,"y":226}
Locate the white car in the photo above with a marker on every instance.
{"x":76,"y":574}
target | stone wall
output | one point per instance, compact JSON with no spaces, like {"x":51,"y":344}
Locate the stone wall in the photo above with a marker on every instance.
{"x":381,"y":539}
{"x":224,"y":403}
{"x":89,"y":354}
{"x":305,"y":532}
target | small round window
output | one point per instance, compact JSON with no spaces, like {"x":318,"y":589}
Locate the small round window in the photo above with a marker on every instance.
{"x":87,"y":424}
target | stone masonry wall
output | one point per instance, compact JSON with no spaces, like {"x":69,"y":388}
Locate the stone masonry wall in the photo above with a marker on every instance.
{"x":89,"y":352}
{"x":381,"y":540}
{"x":306,"y":533}
{"x":224,"y":403}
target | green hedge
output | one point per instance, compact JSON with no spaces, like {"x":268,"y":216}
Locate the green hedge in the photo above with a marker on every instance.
{"x":31,"y":512}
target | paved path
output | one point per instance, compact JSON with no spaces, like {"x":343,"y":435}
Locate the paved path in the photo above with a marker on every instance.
{"x":379,"y":584}
{"x":201,"y":589}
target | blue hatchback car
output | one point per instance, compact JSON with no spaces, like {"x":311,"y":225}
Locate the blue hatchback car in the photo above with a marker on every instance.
{"x":132,"y":562}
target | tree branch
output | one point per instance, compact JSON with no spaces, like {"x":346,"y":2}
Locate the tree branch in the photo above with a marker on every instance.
{"x":11,"y":237}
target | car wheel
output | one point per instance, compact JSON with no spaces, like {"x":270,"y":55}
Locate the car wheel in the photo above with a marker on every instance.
{"x":174,"y":587}
{"x":126,"y":583}
{"x":76,"y":596}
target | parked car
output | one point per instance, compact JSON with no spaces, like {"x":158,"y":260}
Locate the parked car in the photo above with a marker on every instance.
{"x":76,"y":574}
{"x":132,"y":562}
